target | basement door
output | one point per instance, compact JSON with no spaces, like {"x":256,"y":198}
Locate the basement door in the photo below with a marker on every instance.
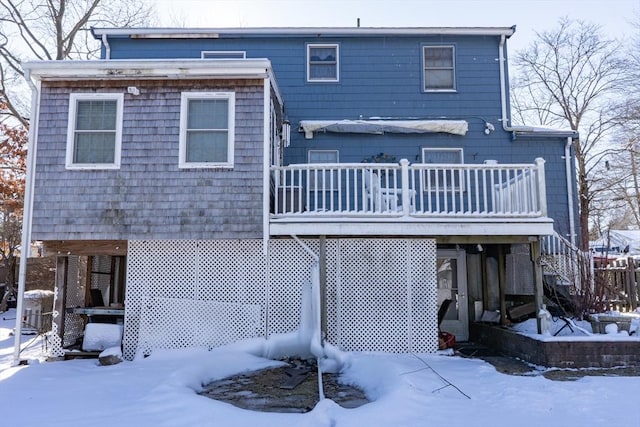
{"x":452,"y":284}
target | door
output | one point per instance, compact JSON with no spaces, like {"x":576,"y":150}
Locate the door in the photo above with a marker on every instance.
{"x":452,"y":284}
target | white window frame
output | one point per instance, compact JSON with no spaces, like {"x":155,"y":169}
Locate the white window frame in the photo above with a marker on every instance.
{"x":184,"y":105}
{"x":71,"y":129}
{"x":425,"y":160}
{"x":223,"y":54}
{"x":310,"y":46}
{"x":452,"y":68}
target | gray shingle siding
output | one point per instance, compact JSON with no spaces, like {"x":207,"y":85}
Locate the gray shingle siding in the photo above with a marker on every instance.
{"x":149,"y":197}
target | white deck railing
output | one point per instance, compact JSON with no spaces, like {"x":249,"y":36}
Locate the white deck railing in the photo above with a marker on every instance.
{"x":417,"y":190}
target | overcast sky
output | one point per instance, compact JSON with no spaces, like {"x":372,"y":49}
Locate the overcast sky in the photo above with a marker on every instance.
{"x":615,"y":16}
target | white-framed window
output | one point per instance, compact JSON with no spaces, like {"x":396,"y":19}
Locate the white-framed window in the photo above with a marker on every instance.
{"x":323,"y":63}
{"x":443,"y":179}
{"x":207,"y":123}
{"x":94,"y":132}
{"x":323,"y":180}
{"x":223,"y":54}
{"x":439,"y":68}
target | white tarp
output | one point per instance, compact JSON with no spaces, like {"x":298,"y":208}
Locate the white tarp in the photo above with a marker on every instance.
{"x":456,"y":127}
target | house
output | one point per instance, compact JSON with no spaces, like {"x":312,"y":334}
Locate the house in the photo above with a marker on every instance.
{"x":207,"y":179}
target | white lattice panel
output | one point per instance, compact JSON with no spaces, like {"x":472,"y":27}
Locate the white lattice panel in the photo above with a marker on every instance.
{"x":381,"y":293}
{"x":381,"y":298}
{"x":289,"y":271}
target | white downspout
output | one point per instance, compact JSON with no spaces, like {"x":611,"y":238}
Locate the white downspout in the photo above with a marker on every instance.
{"x":266,"y":164}
{"x":503,"y":85}
{"x":567,"y":166}
{"x":25,"y":245}
{"x":316,"y":340}
{"x":107,"y":47}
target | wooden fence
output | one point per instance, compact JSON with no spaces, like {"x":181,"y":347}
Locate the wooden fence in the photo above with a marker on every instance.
{"x":617,"y":284}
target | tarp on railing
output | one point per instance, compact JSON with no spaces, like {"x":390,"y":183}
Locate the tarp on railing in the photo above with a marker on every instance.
{"x":379,"y":127}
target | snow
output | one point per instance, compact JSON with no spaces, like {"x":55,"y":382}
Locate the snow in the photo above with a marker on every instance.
{"x":406,"y":390}
{"x":100,"y":336}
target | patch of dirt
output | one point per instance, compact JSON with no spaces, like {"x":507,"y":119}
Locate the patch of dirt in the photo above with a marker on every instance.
{"x":292,"y":388}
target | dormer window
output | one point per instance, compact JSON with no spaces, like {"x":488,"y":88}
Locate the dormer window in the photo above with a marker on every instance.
{"x":439,"y":68}
{"x":322,"y":63}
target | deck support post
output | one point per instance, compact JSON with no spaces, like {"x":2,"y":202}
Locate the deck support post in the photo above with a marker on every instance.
{"x":502,"y":279}
{"x":323,"y":284}
{"x":534,"y":246}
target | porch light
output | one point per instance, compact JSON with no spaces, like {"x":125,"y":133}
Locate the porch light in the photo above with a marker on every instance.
{"x":286,"y":133}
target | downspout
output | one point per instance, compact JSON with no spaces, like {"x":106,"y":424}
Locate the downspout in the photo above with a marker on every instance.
{"x":567,"y":166}
{"x":25,"y":245}
{"x":107,"y":47}
{"x":503,"y":85}
{"x":316,"y":340}
{"x":266,"y":164}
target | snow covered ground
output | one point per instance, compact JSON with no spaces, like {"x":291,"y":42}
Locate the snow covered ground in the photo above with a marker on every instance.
{"x":406,"y":390}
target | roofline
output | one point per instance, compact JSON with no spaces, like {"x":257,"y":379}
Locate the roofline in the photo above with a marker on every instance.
{"x":116,"y":69}
{"x":301,"y":31}
{"x":139,"y":68}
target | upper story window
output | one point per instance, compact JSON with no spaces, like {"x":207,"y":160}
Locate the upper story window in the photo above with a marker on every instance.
{"x":223,"y":54}
{"x":445,"y":179}
{"x":207,"y":122}
{"x":323,"y":179}
{"x":323,"y":63}
{"x":94,"y":133}
{"x":439,"y":68}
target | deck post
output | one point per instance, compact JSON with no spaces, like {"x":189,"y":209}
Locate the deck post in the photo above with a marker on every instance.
{"x":502,"y":279}
{"x":323,"y":285}
{"x":542,"y":188}
{"x":406,"y":208}
{"x":534,"y":247}
{"x":60,"y":300}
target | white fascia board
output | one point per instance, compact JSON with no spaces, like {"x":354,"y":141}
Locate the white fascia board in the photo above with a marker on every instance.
{"x":135,"y":69}
{"x":292,"y":31}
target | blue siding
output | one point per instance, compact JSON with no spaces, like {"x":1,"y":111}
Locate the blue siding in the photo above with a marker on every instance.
{"x":381,"y":76}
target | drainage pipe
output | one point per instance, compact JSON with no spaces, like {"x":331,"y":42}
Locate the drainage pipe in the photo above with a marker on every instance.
{"x":316,"y":338}
{"x":567,"y":166}
{"x":25,"y":245}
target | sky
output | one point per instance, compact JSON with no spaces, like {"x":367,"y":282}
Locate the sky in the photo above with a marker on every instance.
{"x":615,"y":16}
{"x":405,"y":390}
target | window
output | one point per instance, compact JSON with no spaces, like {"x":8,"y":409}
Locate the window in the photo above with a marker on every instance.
{"x":223,"y":54}
{"x":322,"y":63}
{"x":94,"y":134}
{"x":439,"y":68}
{"x":325,"y":179}
{"x":207,"y":129}
{"x":444,"y":179}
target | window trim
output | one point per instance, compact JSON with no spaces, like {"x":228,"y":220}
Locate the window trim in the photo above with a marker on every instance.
{"x":224,"y":54}
{"x":185,"y":97}
{"x":459,"y":150}
{"x":323,"y":45}
{"x":452,"y":68}
{"x":71,"y":129}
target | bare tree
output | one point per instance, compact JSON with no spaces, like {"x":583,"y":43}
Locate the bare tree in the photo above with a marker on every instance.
{"x":568,"y":78}
{"x":13,"y":150}
{"x":54,"y":30}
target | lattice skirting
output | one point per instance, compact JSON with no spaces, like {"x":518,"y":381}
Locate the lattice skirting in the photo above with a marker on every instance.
{"x":381,"y":293}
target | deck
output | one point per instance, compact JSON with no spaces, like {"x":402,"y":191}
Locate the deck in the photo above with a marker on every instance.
{"x":409,"y":199}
